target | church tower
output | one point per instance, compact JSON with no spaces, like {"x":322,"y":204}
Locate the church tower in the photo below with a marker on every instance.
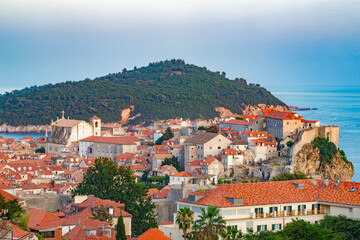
{"x":96,"y":124}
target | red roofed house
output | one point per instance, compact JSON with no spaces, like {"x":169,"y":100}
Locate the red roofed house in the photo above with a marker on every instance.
{"x":179,"y":178}
{"x":263,"y":149}
{"x":203,"y":145}
{"x":231,"y":158}
{"x":73,"y":227}
{"x":271,"y":205}
{"x":84,"y":206}
{"x":212,"y":166}
{"x":109,"y":147}
{"x":283,"y":124}
{"x":152,"y":234}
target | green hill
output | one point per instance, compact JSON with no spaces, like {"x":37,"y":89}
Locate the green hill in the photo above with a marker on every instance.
{"x":161,"y":90}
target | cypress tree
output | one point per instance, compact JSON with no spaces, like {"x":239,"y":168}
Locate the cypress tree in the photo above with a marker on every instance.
{"x":120,"y":229}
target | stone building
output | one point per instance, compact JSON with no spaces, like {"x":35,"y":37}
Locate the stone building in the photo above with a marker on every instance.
{"x":67,"y":132}
{"x":203,"y":145}
{"x":284,"y":124}
{"x":109,"y":147}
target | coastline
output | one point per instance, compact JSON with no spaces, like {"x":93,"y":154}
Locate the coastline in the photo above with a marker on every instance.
{"x":5,"y":128}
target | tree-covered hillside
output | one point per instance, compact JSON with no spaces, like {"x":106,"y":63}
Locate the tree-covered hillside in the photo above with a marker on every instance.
{"x":161,"y":90}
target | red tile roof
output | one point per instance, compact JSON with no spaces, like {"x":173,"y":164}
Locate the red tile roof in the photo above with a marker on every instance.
{"x":38,"y":216}
{"x":264,"y":193}
{"x":183,"y":174}
{"x":18,"y":233}
{"x":153,"y":234}
{"x":127,"y":140}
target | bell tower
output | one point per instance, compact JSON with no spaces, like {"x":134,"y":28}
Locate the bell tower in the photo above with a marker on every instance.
{"x":96,"y":125}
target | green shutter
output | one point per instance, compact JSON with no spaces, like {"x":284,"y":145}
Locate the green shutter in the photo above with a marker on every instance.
{"x":265,"y":227}
{"x":290,"y":208}
{"x":271,"y":209}
{"x":304,"y":207}
{"x":284,"y":208}
{"x":258,"y":228}
{"x":261,"y":210}
{"x":299,"y":207}
{"x":313,"y":207}
{"x":280,"y":226}
{"x":273,"y":227}
{"x":276,"y":209}
{"x":256,"y":210}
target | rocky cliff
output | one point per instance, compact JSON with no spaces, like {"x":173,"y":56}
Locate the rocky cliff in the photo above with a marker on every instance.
{"x":255,"y":109}
{"x":308,"y":161}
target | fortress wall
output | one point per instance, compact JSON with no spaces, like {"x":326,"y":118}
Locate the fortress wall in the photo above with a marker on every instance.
{"x":308,"y":135}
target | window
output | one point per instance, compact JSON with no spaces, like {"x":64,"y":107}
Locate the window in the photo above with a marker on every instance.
{"x":273,"y":209}
{"x":210,"y":147}
{"x":350,"y":210}
{"x":219,"y":147}
{"x":249,"y":225}
{"x":288,"y":208}
{"x":196,"y":209}
{"x":276,"y":227}
{"x":228,"y":212}
{"x":261,"y":228}
{"x":315,"y":206}
{"x":50,"y":234}
{"x":316,"y":222}
{"x":219,"y":139}
{"x":259,"y":210}
{"x":243,"y":211}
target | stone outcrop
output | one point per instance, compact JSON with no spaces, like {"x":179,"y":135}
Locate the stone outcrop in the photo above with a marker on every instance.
{"x":24,"y":129}
{"x":223,"y":112}
{"x":308,"y":161}
{"x":255,"y":110}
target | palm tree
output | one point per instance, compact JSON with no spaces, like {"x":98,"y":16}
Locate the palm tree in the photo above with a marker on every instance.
{"x":211,"y":223}
{"x":184,"y":219}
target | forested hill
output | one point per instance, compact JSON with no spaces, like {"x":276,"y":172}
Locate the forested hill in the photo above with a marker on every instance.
{"x":161,"y":90}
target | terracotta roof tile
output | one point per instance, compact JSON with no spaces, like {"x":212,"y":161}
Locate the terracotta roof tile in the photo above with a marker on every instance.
{"x":152,"y":234}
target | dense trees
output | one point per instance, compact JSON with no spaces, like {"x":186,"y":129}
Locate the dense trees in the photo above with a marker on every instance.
{"x":162,"y":90}
{"x":106,"y":180}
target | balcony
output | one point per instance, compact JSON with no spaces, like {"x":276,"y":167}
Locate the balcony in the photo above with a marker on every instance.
{"x":288,"y":213}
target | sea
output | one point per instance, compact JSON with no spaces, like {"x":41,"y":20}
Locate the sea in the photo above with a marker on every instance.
{"x":338,"y":106}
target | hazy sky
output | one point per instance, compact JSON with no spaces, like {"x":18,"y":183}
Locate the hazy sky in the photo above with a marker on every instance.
{"x":279,"y":44}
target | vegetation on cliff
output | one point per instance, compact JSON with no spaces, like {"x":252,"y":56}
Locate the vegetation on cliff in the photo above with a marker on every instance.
{"x":328,"y":150}
{"x":162,"y":90}
{"x":322,"y":157}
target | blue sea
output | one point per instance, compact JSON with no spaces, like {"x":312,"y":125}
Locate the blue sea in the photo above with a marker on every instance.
{"x":16,"y":136}
{"x":339,"y":106}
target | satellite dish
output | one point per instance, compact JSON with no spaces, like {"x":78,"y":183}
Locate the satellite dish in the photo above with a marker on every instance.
{"x":326,"y":182}
{"x":314,"y":182}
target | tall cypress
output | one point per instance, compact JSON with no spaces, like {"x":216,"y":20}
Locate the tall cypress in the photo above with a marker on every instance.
{"x":120,"y":229}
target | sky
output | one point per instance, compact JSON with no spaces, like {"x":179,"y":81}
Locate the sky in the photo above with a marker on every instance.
{"x":279,"y":44}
